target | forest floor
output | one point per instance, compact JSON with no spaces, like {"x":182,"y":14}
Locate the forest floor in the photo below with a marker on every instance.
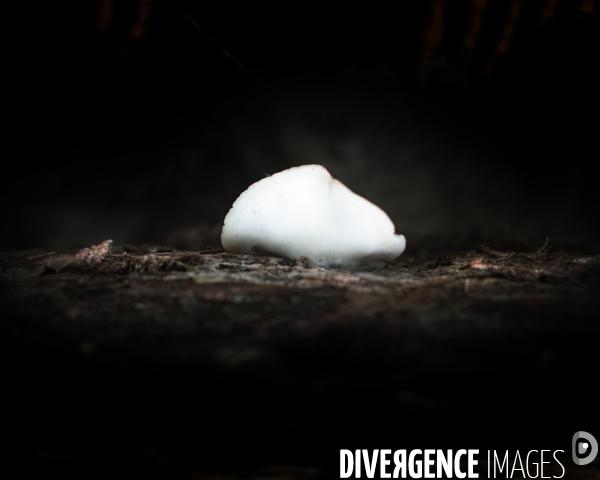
{"x":162,"y":342}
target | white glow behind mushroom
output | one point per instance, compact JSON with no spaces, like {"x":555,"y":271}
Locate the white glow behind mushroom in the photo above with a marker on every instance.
{"x":304,"y":211}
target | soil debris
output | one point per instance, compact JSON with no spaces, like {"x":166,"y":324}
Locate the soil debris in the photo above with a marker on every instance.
{"x":86,"y":257}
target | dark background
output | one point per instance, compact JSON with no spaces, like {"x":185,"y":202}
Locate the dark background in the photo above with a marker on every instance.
{"x":122,"y":120}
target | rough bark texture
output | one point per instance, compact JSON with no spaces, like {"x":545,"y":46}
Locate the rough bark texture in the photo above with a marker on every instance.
{"x":252,"y":357}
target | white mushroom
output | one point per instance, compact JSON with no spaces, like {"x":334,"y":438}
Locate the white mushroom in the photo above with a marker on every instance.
{"x":305,"y":212}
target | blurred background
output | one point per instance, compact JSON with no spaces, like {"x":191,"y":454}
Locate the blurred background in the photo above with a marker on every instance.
{"x":143,"y":121}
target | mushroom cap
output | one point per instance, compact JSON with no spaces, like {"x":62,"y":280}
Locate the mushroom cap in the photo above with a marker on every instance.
{"x":304,"y":211}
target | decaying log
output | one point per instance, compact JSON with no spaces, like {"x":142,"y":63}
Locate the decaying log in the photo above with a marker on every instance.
{"x":263,"y":342}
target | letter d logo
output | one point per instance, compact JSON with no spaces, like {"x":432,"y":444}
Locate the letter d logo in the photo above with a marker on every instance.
{"x":589,"y":445}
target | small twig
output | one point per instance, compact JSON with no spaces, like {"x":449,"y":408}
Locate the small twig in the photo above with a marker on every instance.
{"x":493,"y":253}
{"x":544,"y":250}
{"x":221,"y":49}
